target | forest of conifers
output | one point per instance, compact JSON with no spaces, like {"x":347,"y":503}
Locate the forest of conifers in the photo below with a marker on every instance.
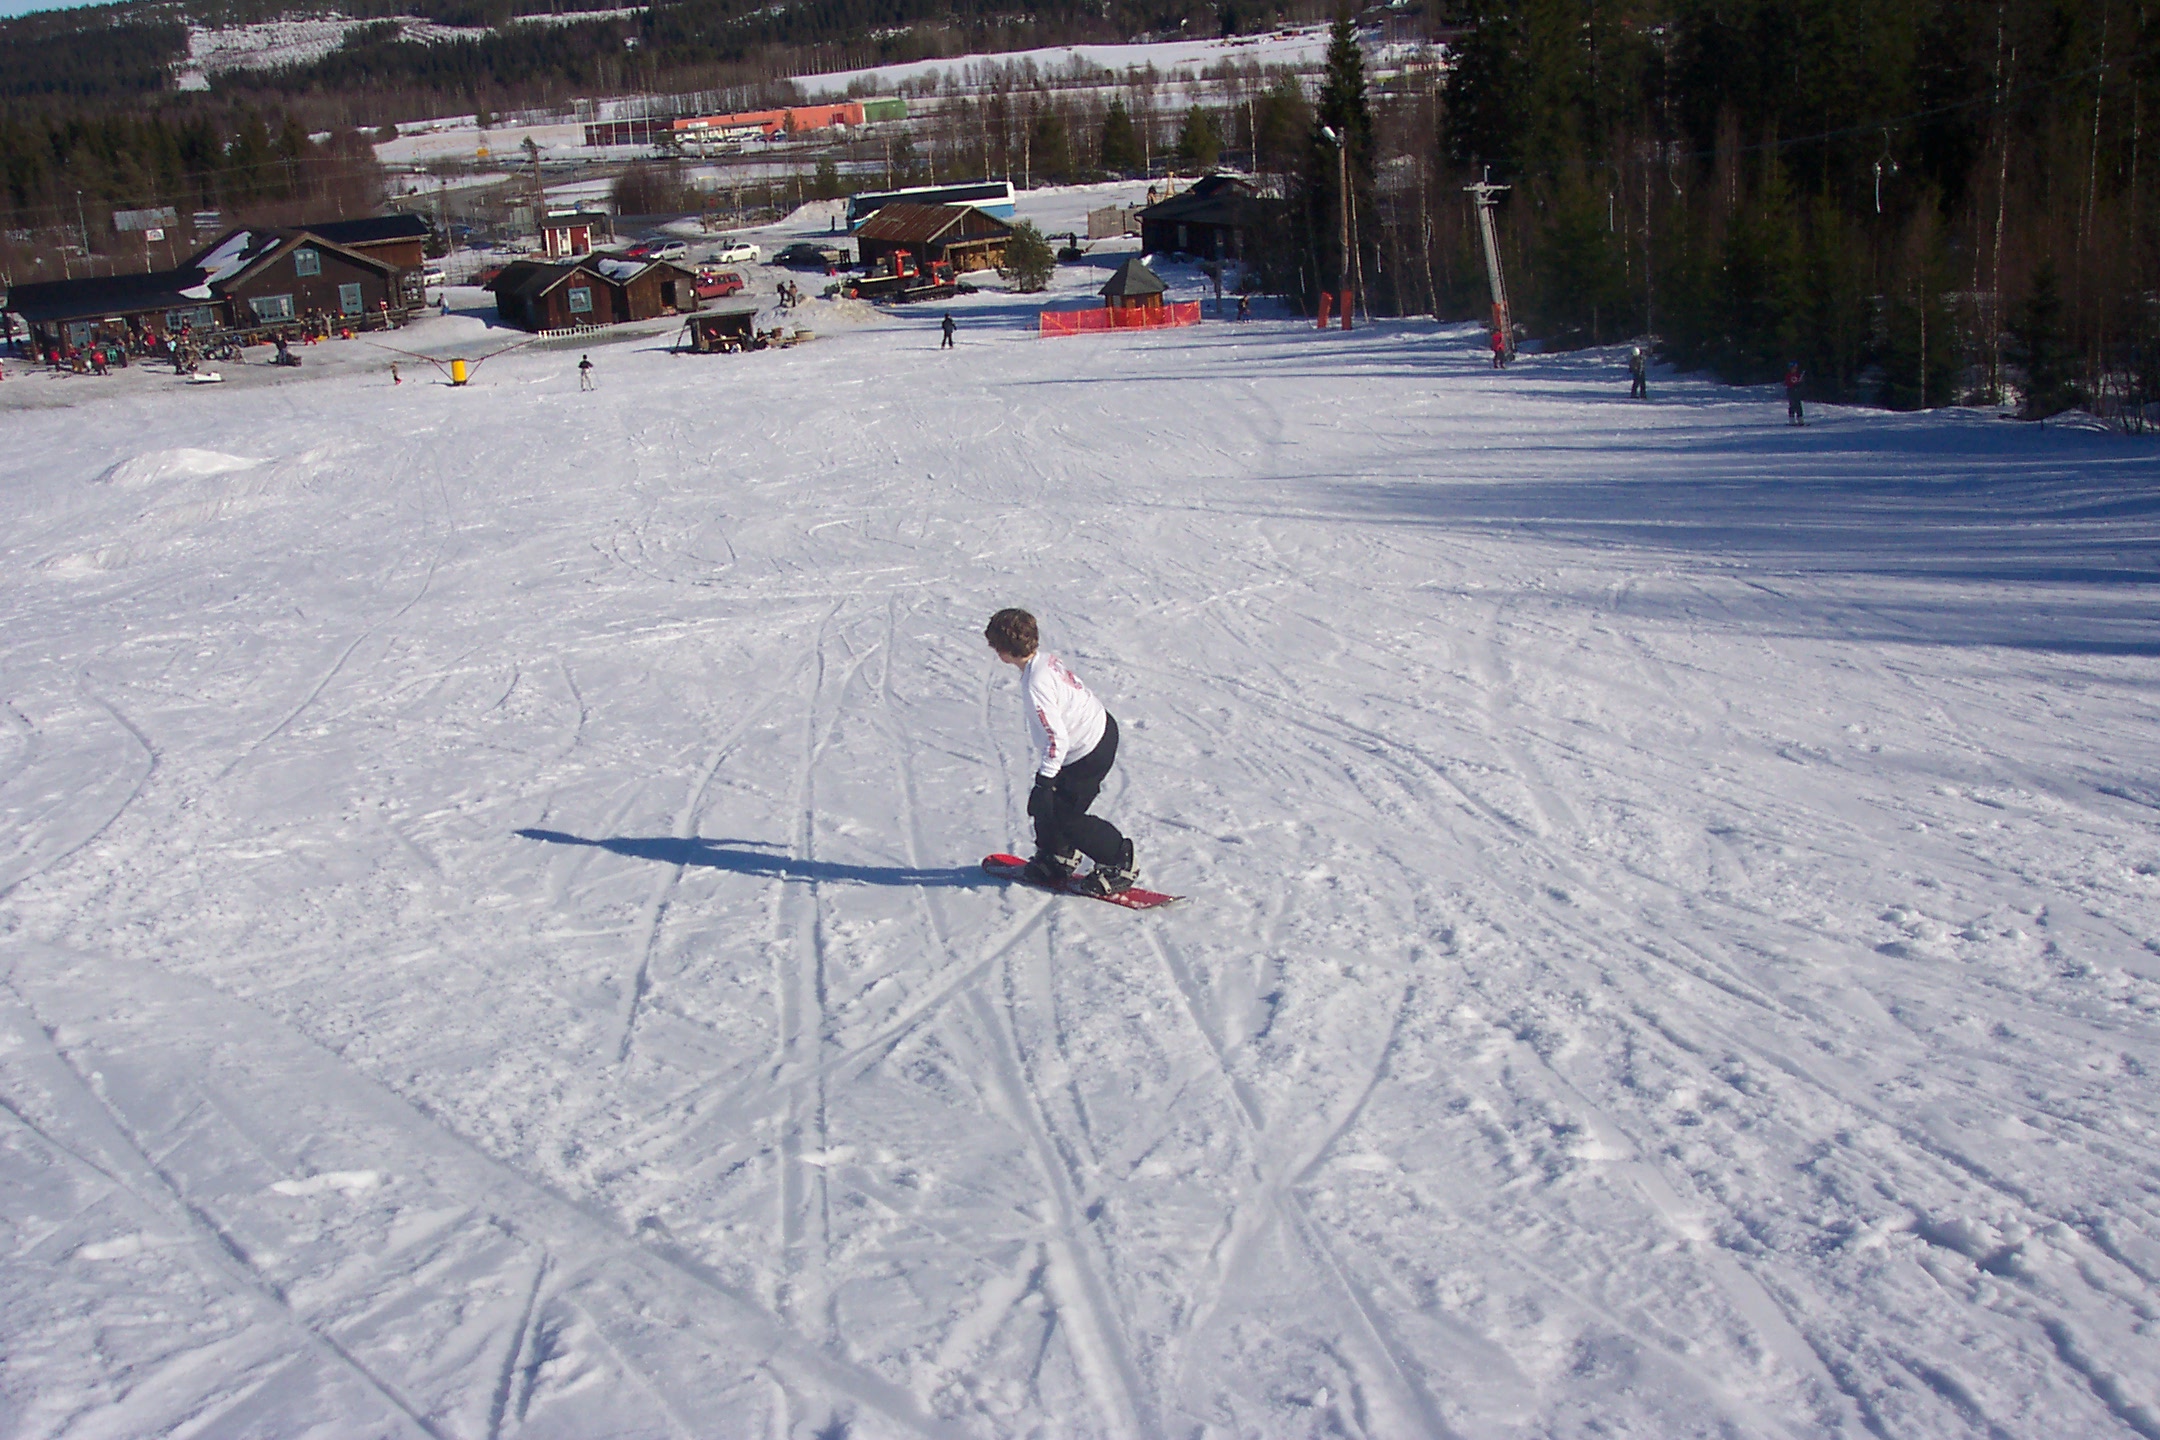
{"x":1922,"y":202}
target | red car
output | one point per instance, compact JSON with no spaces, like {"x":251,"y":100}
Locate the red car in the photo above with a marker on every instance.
{"x":718,"y":284}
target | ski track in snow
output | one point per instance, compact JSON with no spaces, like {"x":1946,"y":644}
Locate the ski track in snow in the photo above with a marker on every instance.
{"x":494,"y":947}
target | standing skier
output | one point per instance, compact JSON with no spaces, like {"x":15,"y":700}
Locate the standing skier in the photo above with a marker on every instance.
{"x":1792,"y":395}
{"x":584,"y":372}
{"x":948,"y":327}
{"x":1638,"y":369}
{"x":1075,"y":743}
{"x":1499,"y":349}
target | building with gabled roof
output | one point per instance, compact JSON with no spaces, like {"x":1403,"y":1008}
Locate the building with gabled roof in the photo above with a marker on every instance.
{"x":246,"y":279}
{"x":601,"y":289}
{"x":399,"y":237}
{"x":1134,"y":287}
{"x":961,"y":235}
{"x":1220,"y":217}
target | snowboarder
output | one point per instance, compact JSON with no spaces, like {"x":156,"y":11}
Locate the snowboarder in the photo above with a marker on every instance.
{"x":584,"y":372}
{"x":1638,"y":369}
{"x":1076,"y":743}
{"x":948,"y":328}
{"x":1792,"y":395}
{"x":1499,"y":349}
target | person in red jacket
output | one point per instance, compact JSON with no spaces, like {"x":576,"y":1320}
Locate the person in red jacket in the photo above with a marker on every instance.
{"x":1499,"y":349}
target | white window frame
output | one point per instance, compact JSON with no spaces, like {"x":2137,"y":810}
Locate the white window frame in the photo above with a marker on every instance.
{"x":271,"y":308}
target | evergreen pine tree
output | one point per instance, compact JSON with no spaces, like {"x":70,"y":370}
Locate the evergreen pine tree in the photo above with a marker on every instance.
{"x":1120,"y":140}
{"x":1028,"y":259}
{"x":2038,"y":348}
{"x":1579,"y":289}
{"x":1342,"y":108}
{"x":1920,"y":341}
{"x":1199,"y":142}
{"x":1761,"y":297}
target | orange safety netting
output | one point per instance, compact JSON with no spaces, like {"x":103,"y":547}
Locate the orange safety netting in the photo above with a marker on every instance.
{"x":1074,"y":322}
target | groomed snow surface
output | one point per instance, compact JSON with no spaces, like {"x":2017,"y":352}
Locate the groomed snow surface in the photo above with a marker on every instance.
{"x":494,"y":947}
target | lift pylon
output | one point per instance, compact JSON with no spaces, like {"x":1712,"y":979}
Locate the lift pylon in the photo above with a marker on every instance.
{"x":1485,"y":195}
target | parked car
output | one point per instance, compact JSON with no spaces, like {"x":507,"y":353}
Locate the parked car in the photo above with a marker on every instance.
{"x":718,"y":284}
{"x":643,"y":250}
{"x":671,"y":250}
{"x":433,"y":275}
{"x":736,"y":252}
{"x":803,"y":255}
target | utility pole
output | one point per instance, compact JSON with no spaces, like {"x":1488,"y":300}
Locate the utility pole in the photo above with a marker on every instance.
{"x":1484,"y":194}
{"x":1342,"y":211}
{"x":539,"y":212}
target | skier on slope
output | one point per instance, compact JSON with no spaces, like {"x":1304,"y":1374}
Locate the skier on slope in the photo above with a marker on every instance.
{"x":1638,"y":369}
{"x":1792,"y":395}
{"x":1076,"y":743}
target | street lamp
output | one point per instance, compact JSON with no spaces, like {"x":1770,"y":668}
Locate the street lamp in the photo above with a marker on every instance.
{"x":1342,"y":211}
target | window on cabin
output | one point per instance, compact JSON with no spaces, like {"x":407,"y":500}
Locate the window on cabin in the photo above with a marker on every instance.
{"x":581,"y":300}
{"x":272,"y":307}
{"x":349,"y":301}
{"x":307,"y":261}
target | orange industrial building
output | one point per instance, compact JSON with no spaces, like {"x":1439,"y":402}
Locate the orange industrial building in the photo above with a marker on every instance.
{"x":744,"y":124}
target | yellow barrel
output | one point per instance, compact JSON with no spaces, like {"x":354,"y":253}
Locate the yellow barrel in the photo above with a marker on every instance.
{"x":457,"y":372}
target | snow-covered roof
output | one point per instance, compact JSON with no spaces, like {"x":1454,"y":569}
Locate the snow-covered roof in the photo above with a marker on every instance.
{"x":227,"y":258}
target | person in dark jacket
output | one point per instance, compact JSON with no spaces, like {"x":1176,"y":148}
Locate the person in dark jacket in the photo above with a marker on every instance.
{"x":1638,"y":369}
{"x":1792,"y":395}
{"x":948,"y":327}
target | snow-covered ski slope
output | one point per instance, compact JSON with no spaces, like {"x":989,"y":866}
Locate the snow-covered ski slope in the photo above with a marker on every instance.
{"x":493,"y":943}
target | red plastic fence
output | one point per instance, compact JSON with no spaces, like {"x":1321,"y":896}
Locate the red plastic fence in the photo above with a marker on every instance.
{"x":1074,"y":322}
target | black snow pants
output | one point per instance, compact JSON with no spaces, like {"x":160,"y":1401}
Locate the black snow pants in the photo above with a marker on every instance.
{"x":1068,"y":825}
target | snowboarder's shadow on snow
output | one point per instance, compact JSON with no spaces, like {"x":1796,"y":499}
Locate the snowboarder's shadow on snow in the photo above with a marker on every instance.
{"x":721,"y":855}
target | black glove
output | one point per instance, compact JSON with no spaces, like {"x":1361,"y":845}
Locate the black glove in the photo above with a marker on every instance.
{"x":1043,"y":798}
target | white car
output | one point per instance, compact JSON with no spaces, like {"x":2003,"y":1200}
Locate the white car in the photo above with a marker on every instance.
{"x":735,"y":251}
{"x":672,"y":250}
{"x":433,"y":275}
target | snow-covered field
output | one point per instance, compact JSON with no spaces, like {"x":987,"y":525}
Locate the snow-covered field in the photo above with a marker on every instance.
{"x":493,"y":942}
{"x":1303,"y":47}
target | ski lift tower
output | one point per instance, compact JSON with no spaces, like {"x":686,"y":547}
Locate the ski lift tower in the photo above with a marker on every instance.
{"x":1485,"y":195}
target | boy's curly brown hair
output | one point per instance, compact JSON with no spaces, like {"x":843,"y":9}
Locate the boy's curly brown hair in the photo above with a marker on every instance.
{"x":1013,"y":632}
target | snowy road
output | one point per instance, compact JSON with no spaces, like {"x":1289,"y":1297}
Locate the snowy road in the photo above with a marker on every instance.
{"x":493,"y":944}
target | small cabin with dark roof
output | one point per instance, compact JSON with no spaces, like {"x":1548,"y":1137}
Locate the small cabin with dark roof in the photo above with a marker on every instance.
{"x":1221,"y":217}
{"x":963,"y":236}
{"x":593,"y":290}
{"x":1134,"y":287}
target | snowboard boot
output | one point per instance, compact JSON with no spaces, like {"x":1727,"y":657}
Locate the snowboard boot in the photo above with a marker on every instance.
{"x":1110,"y":879}
{"x":1052,"y":870}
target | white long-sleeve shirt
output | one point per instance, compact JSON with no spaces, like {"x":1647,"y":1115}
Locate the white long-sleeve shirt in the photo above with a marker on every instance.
{"x":1065,"y":720}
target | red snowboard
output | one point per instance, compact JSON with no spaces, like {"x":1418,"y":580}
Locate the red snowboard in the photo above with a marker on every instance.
{"x":1008,"y":867}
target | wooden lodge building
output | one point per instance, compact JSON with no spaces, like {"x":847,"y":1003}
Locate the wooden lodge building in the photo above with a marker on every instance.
{"x":1221,"y":217}
{"x":592,"y":290}
{"x":400,"y":238}
{"x":970,"y":239}
{"x":250,"y":280}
